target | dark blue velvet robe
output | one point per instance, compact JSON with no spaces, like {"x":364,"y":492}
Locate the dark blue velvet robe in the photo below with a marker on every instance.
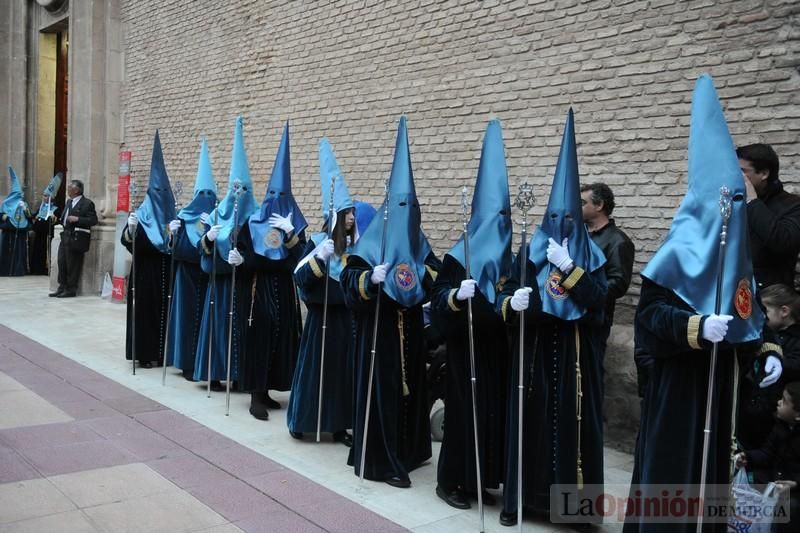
{"x":13,"y":249}
{"x":399,"y":429}
{"x":456,"y":466}
{"x":188,"y":297}
{"x":337,"y":396}
{"x":271,"y":321}
{"x":151,"y":284}
{"x":550,"y":440}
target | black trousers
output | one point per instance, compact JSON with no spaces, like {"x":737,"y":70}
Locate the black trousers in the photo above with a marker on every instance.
{"x":70,"y":263}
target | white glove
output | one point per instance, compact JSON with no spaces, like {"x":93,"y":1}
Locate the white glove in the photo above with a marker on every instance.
{"x":558,"y":255}
{"x":774,"y":369}
{"x":204,"y":218}
{"x":174,"y":226}
{"x":379,"y":273}
{"x":326,"y":250}
{"x":466,"y":290}
{"x":715,"y":327}
{"x":213,"y":232}
{"x":282,"y":223}
{"x":521,"y":299}
{"x":235,"y":258}
{"x":133,"y":220}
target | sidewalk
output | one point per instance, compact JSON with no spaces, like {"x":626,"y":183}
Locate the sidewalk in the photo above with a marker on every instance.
{"x":86,"y":446}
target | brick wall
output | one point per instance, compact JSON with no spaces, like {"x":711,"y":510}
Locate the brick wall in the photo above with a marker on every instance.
{"x":348,"y":69}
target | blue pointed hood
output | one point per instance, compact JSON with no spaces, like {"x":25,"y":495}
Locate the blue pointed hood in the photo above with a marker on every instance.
{"x":158,"y":208}
{"x":269,"y":241}
{"x":12,"y":205}
{"x":203,"y":200}
{"x":224,"y":214}
{"x":563,"y":219}
{"x":406,"y":247}
{"x":489,"y":226}
{"x":687,"y":260}
{"x":328,"y":167}
{"x":364,"y":215}
{"x":50,"y":191}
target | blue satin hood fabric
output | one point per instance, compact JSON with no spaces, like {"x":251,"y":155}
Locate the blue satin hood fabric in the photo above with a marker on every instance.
{"x":224,"y":214}
{"x":406,"y":247}
{"x":364,"y":215}
{"x":50,"y":190}
{"x":686,"y":262}
{"x":269,"y":241}
{"x":12,"y":205}
{"x":328,"y":168}
{"x":564,"y":218}
{"x":158,"y":208}
{"x":489,"y":226}
{"x":203,"y":200}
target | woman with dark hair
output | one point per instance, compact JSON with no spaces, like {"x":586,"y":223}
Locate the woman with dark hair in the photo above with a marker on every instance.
{"x":337,"y":366}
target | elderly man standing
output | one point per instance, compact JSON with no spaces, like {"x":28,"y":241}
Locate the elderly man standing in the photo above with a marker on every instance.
{"x":79,"y":215}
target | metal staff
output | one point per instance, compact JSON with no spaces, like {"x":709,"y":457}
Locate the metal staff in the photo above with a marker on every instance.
{"x":178,"y":190}
{"x":212,"y":294}
{"x":133,"y":189}
{"x":472,"y":373}
{"x":331,"y":220}
{"x":524,"y":202}
{"x":237,"y":189}
{"x":374,"y":333}
{"x":725,"y":213}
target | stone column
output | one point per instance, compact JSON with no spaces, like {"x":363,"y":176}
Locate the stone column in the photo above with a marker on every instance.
{"x":14,"y":60}
{"x":95,"y":72}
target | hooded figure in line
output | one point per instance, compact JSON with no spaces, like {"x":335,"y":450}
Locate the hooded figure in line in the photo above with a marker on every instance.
{"x":394,"y":262}
{"x":677,"y":323}
{"x":191,"y":283}
{"x":324,"y":257}
{"x":268,"y":249}
{"x":150,"y":224}
{"x":15,"y":221}
{"x":563,"y":368}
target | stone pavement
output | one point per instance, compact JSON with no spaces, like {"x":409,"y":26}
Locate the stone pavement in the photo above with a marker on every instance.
{"x":85,"y":446}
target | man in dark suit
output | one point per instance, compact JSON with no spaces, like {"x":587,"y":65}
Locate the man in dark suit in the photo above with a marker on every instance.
{"x":79,"y":215}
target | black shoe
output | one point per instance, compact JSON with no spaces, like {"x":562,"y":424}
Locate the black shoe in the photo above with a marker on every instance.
{"x":216,"y":386}
{"x":269,"y":402}
{"x":508,"y":519}
{"x":453,"y":498}
{"x":296,"y":435}
{"x":56,"y":294}
{"x":145,"y":364}
{"x":188,"y":375}
{"x":343,"y":437}
{"x":259,"y":411}
{"x":400,"y":483}
{"x":66,"y":294}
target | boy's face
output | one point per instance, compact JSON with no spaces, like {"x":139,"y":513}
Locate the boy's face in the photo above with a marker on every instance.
{"x":786,"y":409}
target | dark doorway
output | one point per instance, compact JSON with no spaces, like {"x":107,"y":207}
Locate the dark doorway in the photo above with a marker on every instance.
{"x":62,"y":84}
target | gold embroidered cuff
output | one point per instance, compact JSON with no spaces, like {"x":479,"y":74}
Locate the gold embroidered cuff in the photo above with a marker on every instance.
{"x":362,"y":285}
{"x":292,"y":242}
{"x":451,"y":300}
{"x":771,"y":347}
{"x":504,"y":307}
{"x":126,"y":234}
{"x":433,"y":274}
{"x":315,"y":268}
{"x":573,"y":278}
{"x":693,"y":331}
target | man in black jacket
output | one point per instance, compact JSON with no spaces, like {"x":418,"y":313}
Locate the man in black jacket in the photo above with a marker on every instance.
{"x":773,"y":216}
{"x":79,"y":215}
{"x":597,"y":200}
